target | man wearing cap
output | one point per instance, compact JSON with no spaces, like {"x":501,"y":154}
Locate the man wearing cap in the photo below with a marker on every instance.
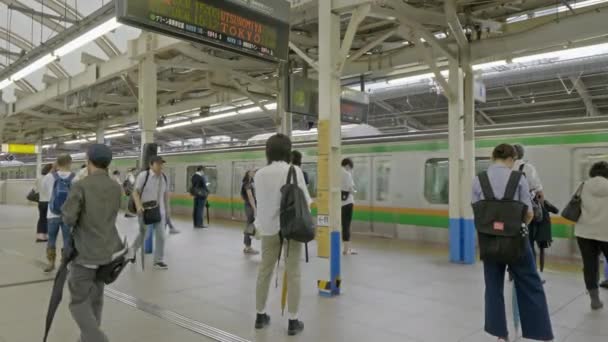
{"x":91,"y":208}
{"x":152,"y":186}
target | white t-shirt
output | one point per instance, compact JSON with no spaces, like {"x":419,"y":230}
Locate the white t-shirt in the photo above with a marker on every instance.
{"x":348,"y":184}
{"x":531,"y":175}
{"x":268,"y":182}
{"x":43,"y":190}
{"x":47,"y":187}
{"x":150,"y":192}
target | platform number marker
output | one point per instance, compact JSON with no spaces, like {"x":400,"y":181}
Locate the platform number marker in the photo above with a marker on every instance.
{"x":323,"y":220}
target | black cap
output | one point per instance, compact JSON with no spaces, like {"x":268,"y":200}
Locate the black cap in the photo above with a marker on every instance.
{"x":100,"y":155}
{"x":157,"y":159}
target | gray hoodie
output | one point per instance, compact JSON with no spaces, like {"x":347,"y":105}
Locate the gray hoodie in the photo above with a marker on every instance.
{"x":593,"y":223}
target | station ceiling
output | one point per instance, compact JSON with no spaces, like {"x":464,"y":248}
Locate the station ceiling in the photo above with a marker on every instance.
{"x":390,"y":51}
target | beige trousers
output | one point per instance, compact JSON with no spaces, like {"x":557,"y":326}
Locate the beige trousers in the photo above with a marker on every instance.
{"x":270,"y":253}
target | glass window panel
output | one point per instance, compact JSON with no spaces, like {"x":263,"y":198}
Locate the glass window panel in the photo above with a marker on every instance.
{"x":383,"y":176}
{"x":210,"y":173}
{"x":361,"y":178}
{"x":436,"y":178}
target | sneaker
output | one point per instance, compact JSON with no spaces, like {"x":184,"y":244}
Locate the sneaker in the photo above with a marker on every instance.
{"x":604,"y":284}
{"x":173,"y":231}
{"x":250,"y":251}
{"x":161,"y":266}
{"x":261,"y":321}
{"x":295,"y":327}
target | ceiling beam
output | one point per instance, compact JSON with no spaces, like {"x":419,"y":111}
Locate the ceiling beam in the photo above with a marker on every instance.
{"x":32,"y":12}
{"x":583,"y":92}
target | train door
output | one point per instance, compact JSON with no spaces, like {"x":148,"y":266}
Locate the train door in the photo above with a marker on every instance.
{"x":373,"y":197}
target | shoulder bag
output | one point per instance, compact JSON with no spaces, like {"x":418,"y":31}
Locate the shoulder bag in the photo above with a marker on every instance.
{"x":573,"y":210}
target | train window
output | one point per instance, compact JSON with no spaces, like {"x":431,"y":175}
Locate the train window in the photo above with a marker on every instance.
{"x":436,"y":178}
{"x":210,"y":173}
{"x":361,"y":178}
{"x":311,"y":170}
{"x":383,"y":174}
{"x":170,"y":172}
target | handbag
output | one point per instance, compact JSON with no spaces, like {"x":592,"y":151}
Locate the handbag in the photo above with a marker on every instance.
{"x":151,"y":213}
{"x":33,"y":196}
{"x":344,"y":195}
{"x":250,"y":229}
{"x":573,"y":210}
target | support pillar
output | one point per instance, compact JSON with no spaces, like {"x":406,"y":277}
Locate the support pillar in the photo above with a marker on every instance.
{"x":461,"y":161}
{"x":100,"y":134}
{"x":284,"y":116}
{"x":148,"y":115}
{"x":147,"y":106}
{"x":329,"y":144}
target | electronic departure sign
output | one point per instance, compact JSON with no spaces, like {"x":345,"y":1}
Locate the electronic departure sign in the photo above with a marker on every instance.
{"x":257,"y":28}
{"x":304,"y":100}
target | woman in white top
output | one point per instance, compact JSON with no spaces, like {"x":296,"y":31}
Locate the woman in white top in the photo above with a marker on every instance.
{"x":43,"y":205}
{"x":348,"y":202}
{"x":592,"y":228}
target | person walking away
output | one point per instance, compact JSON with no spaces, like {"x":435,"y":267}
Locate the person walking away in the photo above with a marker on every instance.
{"x":535,"y":319}
{"x":116,"y":177}
{"x":268,"y":181}
{"x":541,"y":234}
{"x":296,"y":159}
{"x":348,"y":203}
{"x":127,"y":186}
{"x":58,"y":184}
{"x":248,"y":195}
{"x":43,"y":205}
{"x":199,"y":191}
{"x":91,"y":208}
{"x":590,"y":230}
{"x":151,"y":197}
{"x":169,"y":223}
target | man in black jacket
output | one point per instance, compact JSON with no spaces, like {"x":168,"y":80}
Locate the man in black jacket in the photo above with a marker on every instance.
{"x":199,"y":191}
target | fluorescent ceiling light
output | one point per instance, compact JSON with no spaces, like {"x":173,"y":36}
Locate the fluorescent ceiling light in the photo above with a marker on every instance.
{"x":489,"y":65}
{"x":30,"y":68}
{"x":70,"y":46}
{"x":215,"y":117}
{"x":116,"y":135}
{"x":88,"y":37}
{"x":5,"y":83}
{"x":77,"y":141}
{"x":174,"y":125}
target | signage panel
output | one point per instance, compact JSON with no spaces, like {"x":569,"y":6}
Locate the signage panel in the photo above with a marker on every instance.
{"x":304,"y":99}
{"x":19,"y":148}
{"x":257,"y":28}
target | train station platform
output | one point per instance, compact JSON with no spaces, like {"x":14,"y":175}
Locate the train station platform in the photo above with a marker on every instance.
{"x":393,"y":291}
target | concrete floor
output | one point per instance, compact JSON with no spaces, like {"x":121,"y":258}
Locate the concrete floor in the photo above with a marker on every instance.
{"x":393,"y":291}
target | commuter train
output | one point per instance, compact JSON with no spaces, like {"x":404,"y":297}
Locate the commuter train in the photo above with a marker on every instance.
{"x":401,"y":180}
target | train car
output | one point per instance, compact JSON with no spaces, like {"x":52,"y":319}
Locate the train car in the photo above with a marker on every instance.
{"x":401,"y":180}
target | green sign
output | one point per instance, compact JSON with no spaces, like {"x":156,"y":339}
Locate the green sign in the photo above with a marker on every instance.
{"x":257,"y":28}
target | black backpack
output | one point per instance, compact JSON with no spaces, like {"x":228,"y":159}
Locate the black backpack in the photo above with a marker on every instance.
{"x":500,"y":224}
{"x":295,"y":218}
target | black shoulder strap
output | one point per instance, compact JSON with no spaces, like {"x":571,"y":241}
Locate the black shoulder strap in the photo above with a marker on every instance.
{"x":486,"y":187}
{"x":145,"y":181}
{"x":512,"y":185}
{"x":291,"y":175}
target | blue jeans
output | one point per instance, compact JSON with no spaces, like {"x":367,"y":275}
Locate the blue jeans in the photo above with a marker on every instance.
{"x":158,"y":229}
{"x":535,"y":320}
{"x":198,"y":211}
{"x":53,"y":227}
